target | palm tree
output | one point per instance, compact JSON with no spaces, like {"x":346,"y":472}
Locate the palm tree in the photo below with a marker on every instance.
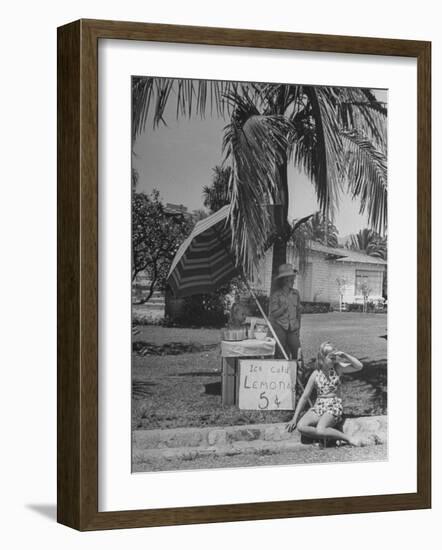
{"x":336,"y":135}
{"x":370,"y":242}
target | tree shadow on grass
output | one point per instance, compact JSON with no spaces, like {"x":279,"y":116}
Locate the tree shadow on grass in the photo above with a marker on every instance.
{"x":213,"y":388}
{"x":365,"y":392}
{"x":142,"y":348}
{"x":141,"y":389}
{"x":199,"y":373}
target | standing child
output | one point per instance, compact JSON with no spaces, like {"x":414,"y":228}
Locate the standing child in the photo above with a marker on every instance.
{"x":320,"y":421}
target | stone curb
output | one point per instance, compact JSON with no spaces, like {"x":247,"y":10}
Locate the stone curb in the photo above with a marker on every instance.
{"x":220,"y":438}
{"x":239,"y":448}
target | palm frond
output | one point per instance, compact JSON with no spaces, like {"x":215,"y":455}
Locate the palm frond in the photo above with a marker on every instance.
{"x":297,"y":223}
{"x":320,"y":229}
{"x":163,"y":88}
{"x":322,"y":154}
{"x":367,"y":178}
{"x":152,"y":95}
{"x":277,"y":98}
{"x":254,"y":144}
{"x":374,"y":103}
{"x":359,"y":111}
{"x":142,"y":90}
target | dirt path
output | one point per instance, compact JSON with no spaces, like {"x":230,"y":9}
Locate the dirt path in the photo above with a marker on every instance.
{"x":307,"y":455}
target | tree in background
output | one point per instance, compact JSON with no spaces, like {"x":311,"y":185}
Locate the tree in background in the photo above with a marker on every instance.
{"x":342,"y":283}
{"x":370,"y":242}
{"x":299,"y":238}
{"x":366,"y":291}
{"x":216,"y":195}
{"x":198,"y":215}
{"x":135,"y":179}
{"x":314,"y":227}
{"x":321,"y":230}
{"x":156,"y":237}
{"x":373,"y":244}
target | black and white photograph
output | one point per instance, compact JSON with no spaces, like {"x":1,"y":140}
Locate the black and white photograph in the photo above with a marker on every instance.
{"x":218,"y":265}
{"x":259,"y":274}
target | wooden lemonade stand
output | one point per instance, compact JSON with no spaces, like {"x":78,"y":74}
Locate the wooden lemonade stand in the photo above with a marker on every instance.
{"x":231,"y":353}
{"x":251,"y":378}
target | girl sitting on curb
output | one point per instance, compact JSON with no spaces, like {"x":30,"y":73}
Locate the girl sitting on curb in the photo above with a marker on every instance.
{"x":319,"y":422}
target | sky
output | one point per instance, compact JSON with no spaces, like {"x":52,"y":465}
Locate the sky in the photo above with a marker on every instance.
{"x":178,"y":160}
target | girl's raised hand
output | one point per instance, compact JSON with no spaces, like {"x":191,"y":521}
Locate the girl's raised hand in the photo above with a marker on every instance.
{"x":291,"y":426}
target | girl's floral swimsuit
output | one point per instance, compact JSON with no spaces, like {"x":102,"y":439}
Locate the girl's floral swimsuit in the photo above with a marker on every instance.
{"x":325,"y":385}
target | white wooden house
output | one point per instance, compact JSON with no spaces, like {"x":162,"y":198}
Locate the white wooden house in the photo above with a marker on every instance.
{"x":324,"y":267}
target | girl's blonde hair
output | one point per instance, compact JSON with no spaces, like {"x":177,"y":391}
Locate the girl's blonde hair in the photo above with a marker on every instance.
{"x":324,"y":349}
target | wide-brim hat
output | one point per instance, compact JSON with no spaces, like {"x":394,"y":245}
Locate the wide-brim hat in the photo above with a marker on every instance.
{"x":285,"y":270}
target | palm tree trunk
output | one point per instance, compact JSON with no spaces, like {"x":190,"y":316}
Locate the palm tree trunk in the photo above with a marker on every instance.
{"x":326,"y":227}
{"x":281,"y":214}
{"x":279,"y":255}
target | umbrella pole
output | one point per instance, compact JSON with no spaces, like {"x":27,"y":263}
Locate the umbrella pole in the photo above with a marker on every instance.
{"x":272,"y":330}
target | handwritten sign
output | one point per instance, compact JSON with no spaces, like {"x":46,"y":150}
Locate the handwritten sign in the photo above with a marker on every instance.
{"x":267,"y":384}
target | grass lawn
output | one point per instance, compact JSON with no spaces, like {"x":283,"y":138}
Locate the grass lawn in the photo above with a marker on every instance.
{"x":178,"y":382}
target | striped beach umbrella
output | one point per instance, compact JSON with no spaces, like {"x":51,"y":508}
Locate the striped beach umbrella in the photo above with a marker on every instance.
{"x":205,"y":260}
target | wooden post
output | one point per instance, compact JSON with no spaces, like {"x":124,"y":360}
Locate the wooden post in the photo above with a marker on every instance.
{"x":229,"y":380}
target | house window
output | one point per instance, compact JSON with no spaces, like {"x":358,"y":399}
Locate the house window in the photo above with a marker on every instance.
{"x":372,"y":280}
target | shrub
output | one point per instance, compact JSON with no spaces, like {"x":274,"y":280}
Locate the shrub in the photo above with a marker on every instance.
{"x":307,"y":307}
{"x":203,"y":310}
{"x":371,"y":307}
{"x":144,"y":319}
{"x":315,"y":307}
{"x":252,"y":308}
{"x":355,"y":307}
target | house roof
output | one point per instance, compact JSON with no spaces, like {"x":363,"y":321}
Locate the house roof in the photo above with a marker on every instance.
{"x":345,"y":254}
{"x":176,"y":210}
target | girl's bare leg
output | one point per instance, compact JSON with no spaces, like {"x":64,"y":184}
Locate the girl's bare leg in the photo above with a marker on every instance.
{"x":325,"y":429}
{"x":307,"y":424}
